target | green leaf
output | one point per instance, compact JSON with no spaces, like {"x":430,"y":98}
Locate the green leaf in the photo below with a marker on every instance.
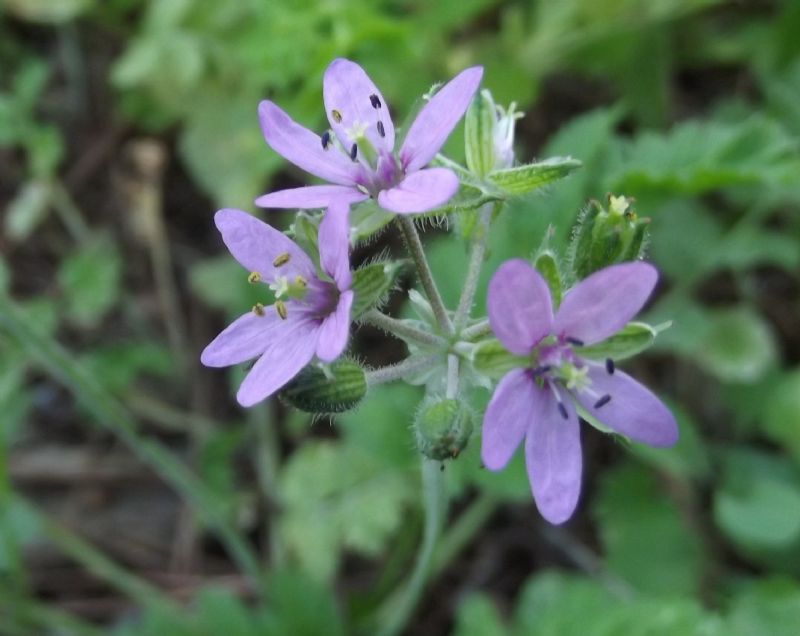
{"x":738,"y":345}
{"x":336,"y":496}
{"x":291,"y":594}
{"x":532,"y":176}
{"x":221,"y":283}
{"x":478,"y":616}
{"x":27,"y":210}
{"x":643,"y":533}
{"x":90,"y":280}
{"x":372,"y":283}
{"x":766,"y":607}
{"x":781,"y":420}
{"x":117,"y":366}
{"x":633,"y":338}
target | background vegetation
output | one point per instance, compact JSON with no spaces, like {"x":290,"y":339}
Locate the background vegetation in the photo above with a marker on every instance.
{"x":137,"y":499}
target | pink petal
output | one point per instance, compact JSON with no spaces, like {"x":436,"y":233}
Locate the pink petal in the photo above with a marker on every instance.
{"x":420,"y":191}
{"x":519,"y":304}
{"x":605,"y":302}
{"x":335,"y":329}
{"x":334,"y":244}
{"x":553,"y":458}
{"x":347,"y":89}
{"x":507,"y":417}
{"x":633,"y":411}
{"x":245,"y":338}
{"x":304,"y":148}
{"x":318,"y":196}
{"x":290,"y":351}
{"x":256,"y":245}
{"x":437,"y":119}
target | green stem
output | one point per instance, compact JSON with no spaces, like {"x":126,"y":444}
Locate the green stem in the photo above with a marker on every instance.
{"x":462,"y":532}
{"x":399,"y":370}
{"x":401,"y":329}
{"x":267,"y":464}
{"x":40,"y":615}
{"x":113,"y":416}
{"x":477,"y":330}
{"x":474,"y":268}
{"x":452,"y":376}
{"x":69,"y":213}
{"x":400,"y":608}
{"x":425,"y":275}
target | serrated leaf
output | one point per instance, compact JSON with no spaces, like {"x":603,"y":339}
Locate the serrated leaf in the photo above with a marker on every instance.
{"x":529,"y":177}
{"x":336,"y":496}
{"x":633,"y":338}
{"x":90,"y":280}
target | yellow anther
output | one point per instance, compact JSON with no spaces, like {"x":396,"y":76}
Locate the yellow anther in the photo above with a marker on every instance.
{"x":337,"y":116}
{"x":280,"y":307}
{"x":258,"y":309}
{"x":281,"y":259}
{"x":300,"y":281}
{"x":254,"y":277}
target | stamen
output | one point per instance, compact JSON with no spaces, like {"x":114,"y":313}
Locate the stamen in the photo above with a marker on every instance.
{"x":337,"y":116}
{"x":375,"y":101}
{"x":300,"y":281}
{"x":381,"y":129}
{"x":610,"y":366}
{"x":281,"y":259}
{"x":326,"y":139}
{"x":574,"y":341}
{"x":602,"y":401}
{"x":541,"y":370}
{"x":354,"y":151}
{"x":563,"y":410}
{"x":254,"y":277}
{"x":280,"y":307}
{"x":362,"y":189}
{"x":258,"y":310}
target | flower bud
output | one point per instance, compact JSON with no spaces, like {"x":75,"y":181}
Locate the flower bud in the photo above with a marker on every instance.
{"x":443,"y":428}
{"x":334,"y":389}
{"x":603,"y":237}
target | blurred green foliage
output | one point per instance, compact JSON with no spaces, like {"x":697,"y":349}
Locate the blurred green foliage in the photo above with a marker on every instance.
{"x":690,"y":106}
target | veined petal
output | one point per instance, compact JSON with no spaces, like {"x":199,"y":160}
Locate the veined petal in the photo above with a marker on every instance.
{"x":602,"y":304}
{"x":334,"y":244}
{"x":335,"y":329}
{"x":303,"y":148}
{"x":553,"y":458}
{"x":507,"y":417}
{"x":256,"y":245}
{"x":245,"y":338}
{"x":420,"y":191}
{"x":519,"y":305}
{"x":291,"y":350}
{"x":316,"y":196}
{"x":349,"y":91}
{"x":438,"y":117}
{"x":633,"y":410}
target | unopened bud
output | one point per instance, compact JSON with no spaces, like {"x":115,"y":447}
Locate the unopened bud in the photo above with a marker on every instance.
{"x":604,"y":237}
{"x":443,"y":428}
{"x":336,"y":389}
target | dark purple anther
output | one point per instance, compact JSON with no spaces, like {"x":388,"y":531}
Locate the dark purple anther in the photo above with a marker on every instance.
{"x":574,"y":341}
{"x":381,"y":129}
{"x":610,"y":366}
{"x":375,"y":101}
{"x":326,"y":139}
{"x":602,"y":401}
{"x":563,"y":410}
{"x":353,"y":152}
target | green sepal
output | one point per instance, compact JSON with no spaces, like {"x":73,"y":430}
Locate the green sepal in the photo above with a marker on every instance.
{"x":372,"y":283}
{"x":442,"y":428}
{"x":479,"y":127}
{"x":633,"y":338}
{"x":546,"y":263}
{"x":367,"y":219}
{"x":531,"y":176}
{"x":305,"y":231}
{"x":337,"y":388}
{"x":491,"y":359}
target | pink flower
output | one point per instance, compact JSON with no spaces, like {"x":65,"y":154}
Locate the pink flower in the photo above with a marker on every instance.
{"x":364,"y":164}
{"x":537,"y":403}
{"x":312,"y":319}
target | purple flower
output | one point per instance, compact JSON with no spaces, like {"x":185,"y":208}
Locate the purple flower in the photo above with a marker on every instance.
{"x":311,"y":314}
{"x":538,"y":402}
{"x":363,"y":163}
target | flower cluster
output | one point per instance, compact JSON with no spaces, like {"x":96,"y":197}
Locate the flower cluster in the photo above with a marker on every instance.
{"x":298,"y":338}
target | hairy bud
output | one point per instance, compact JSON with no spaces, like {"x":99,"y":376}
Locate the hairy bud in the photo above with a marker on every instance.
{"x":443,"y":428}
{"x":335,"y":389}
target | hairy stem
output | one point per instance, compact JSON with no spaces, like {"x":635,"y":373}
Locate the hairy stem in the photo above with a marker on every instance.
{"x":477,"y":330}
{"x":474,"y":268}
{"x":425,"y":274}
{"x":399,"y":328}
{"x":402,"y":607}
{"x":397,"y":371}
{"x":452,"y":376}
